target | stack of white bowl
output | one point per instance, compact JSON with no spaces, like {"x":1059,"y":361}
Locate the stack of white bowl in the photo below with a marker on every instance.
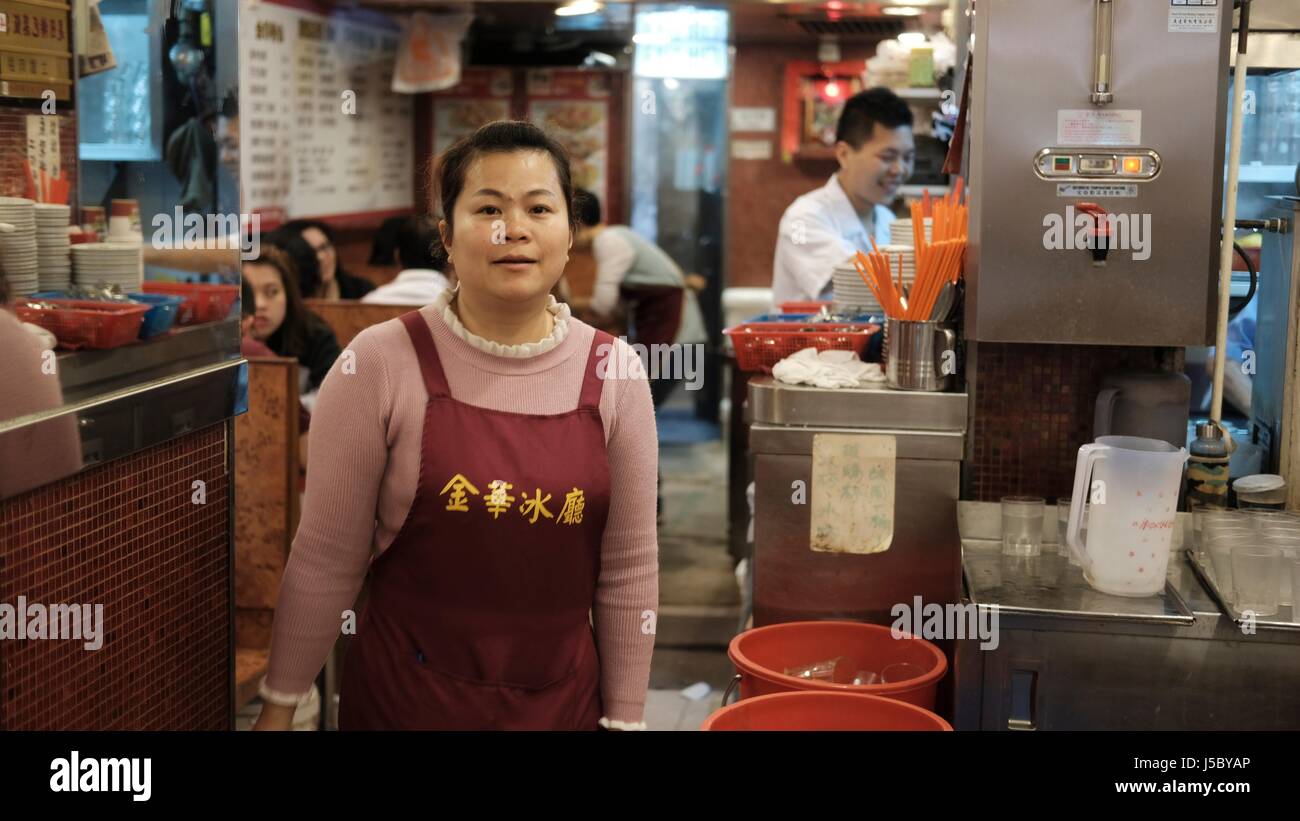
{"x":54,"y":246}
{"x":99,"y":264}
{"x":900,"y":232}
{"x":18,"y":253}
{"x":854,"y":296}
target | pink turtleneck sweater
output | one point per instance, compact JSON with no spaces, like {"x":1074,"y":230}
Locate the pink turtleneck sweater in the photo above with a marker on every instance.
{"x":365,"y":455}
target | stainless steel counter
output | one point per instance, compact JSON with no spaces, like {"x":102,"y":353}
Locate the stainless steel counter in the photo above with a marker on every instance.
{"x":1068,"y":657}
{"x":876,"y":407}
{"x":126,"y":399}
{"x":87,"y":374}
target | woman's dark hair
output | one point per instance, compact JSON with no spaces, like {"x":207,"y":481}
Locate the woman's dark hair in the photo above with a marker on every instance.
{"x":4,"y":289}
{"x":587,"y":206}
{"x":500,"y":137}
{"x":298,"y":226}
{"x":247,"y":299}
{"x":305,"y":263}
{"x":290,"y":339}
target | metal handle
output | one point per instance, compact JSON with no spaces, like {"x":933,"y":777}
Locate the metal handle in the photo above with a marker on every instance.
{"x":731,"y":685}
{"x":1103,"y":29}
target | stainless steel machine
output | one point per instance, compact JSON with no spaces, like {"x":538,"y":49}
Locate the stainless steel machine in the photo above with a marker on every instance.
{"x":1096,"y":155}
{"x":792,"y":582}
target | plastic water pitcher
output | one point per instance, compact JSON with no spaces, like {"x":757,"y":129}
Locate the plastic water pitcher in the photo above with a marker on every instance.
{"x":1133,"y":486}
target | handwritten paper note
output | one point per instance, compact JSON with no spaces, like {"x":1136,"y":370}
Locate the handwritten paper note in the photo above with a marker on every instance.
{"x":852,"y":493}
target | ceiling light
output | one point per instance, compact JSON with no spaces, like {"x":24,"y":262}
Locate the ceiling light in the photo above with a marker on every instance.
{"x":575,"y":7}
{"x":902,"y":11}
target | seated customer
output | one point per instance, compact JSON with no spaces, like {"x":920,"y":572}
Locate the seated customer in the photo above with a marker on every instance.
{"x":303,"y":257}
{"x":421,"y":279}
{"x":286,"y":326}
{"x":250,"y":347}
{"x":385,"y":242}
{"x":336,"y":283}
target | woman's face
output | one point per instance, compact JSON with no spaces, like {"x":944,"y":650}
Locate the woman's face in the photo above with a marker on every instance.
{"x":511,"y":237}
{"x":325,"y":253}
{"x":271,"y":301}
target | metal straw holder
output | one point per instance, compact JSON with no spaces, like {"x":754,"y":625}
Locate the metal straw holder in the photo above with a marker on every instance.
{"x":917,"y":355}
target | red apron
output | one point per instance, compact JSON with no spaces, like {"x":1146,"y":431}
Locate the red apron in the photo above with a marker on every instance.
{"x":479,"y":612}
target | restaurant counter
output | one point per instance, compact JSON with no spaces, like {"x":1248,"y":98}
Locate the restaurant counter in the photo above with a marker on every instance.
{"x":137,"y":396}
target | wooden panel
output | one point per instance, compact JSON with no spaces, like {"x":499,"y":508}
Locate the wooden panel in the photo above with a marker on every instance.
{"x":580,"y":273}
{"x":266,"y":480}
{"x":348,"y":317}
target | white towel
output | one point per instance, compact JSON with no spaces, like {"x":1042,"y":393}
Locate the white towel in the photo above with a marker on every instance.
{"x":827,"y":369}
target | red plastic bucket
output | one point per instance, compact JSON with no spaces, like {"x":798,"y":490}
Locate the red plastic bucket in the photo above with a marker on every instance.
{"x":762,"y":656}
{"x":809,"y":710}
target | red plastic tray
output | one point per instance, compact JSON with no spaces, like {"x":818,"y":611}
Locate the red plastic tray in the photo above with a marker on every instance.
{"x":79,"y":323}
{"x":760,"y":345}
{"x":809,"y":307}
{"x":203,"y":302}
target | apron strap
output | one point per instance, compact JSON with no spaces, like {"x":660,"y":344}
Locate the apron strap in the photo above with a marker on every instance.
{"x":591,"y":383}
{"x":435,"y":381}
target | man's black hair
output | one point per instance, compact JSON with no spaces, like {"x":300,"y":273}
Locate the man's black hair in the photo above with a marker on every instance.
{"x":586,"y":208}
{"x":866,"y":108}
{"x":415,"y":245}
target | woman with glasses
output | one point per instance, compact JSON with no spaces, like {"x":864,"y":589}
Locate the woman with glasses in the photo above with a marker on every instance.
{"x":336,"y":283}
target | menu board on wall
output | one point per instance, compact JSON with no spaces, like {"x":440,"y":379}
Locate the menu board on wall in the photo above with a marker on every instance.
{"x":322,"y":132}
{"x":573,"y":106}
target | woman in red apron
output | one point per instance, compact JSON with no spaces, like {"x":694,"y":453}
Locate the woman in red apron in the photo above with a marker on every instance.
{"x":481,"y":609}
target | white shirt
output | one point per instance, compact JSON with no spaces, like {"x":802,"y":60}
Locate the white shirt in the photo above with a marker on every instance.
{"x":414,"y":286}
{"x":614,"y":256}
{"x":819,"y":231}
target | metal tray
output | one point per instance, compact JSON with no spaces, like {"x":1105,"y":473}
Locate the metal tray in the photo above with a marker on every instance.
{"x":1282,"y":620}
{"x":1049,"y":585}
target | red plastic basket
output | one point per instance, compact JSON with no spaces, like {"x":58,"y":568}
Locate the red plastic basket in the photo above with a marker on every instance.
{"x":807,"y":307}
{"x":760,"y":345}
{"x":203,"y":302}
{"x":80,"y":323}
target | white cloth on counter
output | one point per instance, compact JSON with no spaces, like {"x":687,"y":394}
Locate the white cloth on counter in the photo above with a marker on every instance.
{"x":827,"y":369}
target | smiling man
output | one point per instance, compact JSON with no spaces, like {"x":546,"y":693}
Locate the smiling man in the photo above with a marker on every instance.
{"x":823,"y":228}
